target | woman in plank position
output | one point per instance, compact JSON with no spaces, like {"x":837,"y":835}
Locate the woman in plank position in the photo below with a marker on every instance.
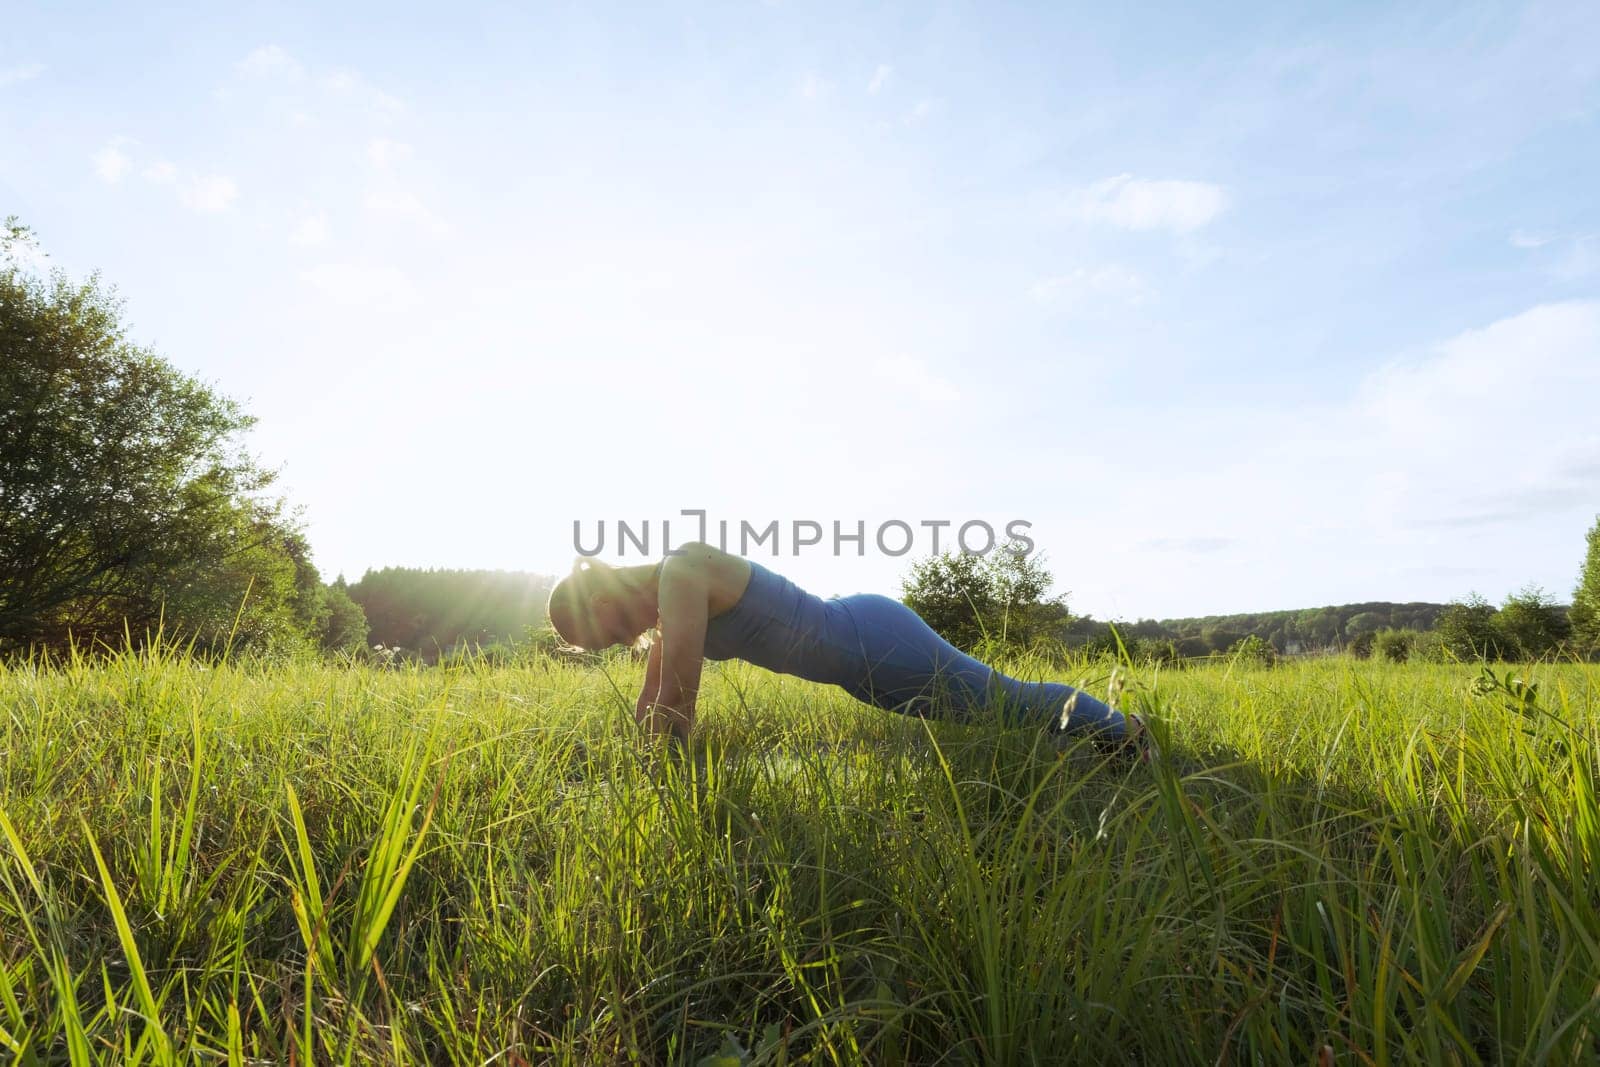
{"x":708,"y":604}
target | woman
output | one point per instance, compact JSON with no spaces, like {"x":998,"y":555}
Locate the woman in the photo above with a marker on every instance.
{"x":708,"y":604}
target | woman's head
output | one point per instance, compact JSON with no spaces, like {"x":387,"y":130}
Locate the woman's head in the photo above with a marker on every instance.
{"x":597,"y":605}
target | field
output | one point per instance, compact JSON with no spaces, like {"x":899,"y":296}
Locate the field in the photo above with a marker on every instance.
{"x":1333,"y":861}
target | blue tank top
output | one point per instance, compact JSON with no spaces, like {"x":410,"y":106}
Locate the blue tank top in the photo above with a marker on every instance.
{"x":779,"y":626}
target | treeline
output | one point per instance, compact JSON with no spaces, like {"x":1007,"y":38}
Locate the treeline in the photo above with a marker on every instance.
{"x":1527,"y":625}
{"x":434,"y":612}
{"x":1306,"y":630}
{"x":996,"y":604}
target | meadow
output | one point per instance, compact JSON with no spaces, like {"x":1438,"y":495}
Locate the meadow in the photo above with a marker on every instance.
{"x":1333,"y":861}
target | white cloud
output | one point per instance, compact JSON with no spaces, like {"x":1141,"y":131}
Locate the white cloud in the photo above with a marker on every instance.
{"x":161,"y":172}
{"x":915,"y":382}
{"x":111,"y":162}
{"x":19,"y":74}
{"x":1462,"y":453}
{"x":1568,"y":257}
{"x":920,"y":110}
{"x":813,"y":87}
{"x":400,"y":205}
{"x":1090,"y":286}
{"x":880,"y":78}
{"x":1487,"y":390}
{"x":208,"y":193}
{"x":1146,"y":204}
{"x":270,"y":61}
{"x":385,"y":153}
{"x":310,"y":231}
{"x":358,"y":283}
{"x":348,"y":82}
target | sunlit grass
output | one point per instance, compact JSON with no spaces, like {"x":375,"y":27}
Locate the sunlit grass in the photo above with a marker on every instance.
{"x":306,"y":863}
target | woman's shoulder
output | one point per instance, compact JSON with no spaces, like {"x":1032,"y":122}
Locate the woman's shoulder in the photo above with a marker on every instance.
{"x":697,"y":556}
{"x":694,"y":555}
{"x":724,"y":573}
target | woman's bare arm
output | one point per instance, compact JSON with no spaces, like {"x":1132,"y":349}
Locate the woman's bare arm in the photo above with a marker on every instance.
{"x":683,"y":603}
{"x":652,"y":681}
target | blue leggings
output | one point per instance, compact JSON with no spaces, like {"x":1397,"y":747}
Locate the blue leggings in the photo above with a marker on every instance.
{"x":883,"y":653}
{"x":909,"y":668}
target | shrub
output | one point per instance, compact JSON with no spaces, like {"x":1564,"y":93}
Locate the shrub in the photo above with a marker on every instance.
{"x":1426,"y":647}
{"x":1255,"y":650}
{"x":1393,"y":645}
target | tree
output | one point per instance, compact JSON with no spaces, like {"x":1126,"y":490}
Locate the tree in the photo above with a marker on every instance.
{"x":1366,"y":622}
{"x":1467,"y":630}
{"x":1222,"y":640}
{"x":124,"y":497}
{"x":344,"y":626}
{"x":433,"y":611}
{"x":998,"y":596}
{"x":1585,"y":614}
{"x":1531,"y":624}
{"x":1321,"y":626}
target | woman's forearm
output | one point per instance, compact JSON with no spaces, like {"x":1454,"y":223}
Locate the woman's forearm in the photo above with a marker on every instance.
{"x":652,"y":682}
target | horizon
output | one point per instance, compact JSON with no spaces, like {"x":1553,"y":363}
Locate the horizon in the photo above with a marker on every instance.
{"x":541,"y":576}
{"x":1233,"y":307}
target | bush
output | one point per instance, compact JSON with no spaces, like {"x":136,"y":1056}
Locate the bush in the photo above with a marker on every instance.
{"x":1360,"y":645}
{"x":1254,"y":650}
{"x":1426,"y":647}
{"x":1393,"y":645}
{"x":1158,"y":652}
{"x":1468,"y":632}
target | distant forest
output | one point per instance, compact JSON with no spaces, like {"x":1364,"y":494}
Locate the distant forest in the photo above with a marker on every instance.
{"x":1306,"y":630}
{"x":435,"y":611}
{"x":430,"y":612}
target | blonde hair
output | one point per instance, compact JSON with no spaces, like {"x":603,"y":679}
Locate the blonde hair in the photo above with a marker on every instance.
{"x":569,"y":600}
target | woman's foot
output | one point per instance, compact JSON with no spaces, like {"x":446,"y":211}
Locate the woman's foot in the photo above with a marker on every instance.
{"x":1134,"y":743}
{"x":1137,"y":740}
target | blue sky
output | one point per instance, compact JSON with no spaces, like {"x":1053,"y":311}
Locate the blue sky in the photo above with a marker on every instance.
{"x":1270,"y":306}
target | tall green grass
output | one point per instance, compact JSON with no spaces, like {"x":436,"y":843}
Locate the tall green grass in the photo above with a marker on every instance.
{"x":299,"y":863}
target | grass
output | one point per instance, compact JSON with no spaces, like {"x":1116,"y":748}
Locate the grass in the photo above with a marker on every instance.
{"x":297,"y":863}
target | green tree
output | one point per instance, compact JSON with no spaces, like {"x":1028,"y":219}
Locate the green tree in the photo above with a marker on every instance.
{"x":435,"y":610}
{"x":124,"y":497}
{"x":1467,"y":630}
{"x":997,"y":597}
{"x":1222,"y":640}
{"x":344,"y":625}
{"x":1531,"y":624}
{"x":1365,"y":622}
{"x":1321,"y":627}
{"x":1585,"y":614}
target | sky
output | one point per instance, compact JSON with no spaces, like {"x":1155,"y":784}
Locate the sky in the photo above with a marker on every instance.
{"x":1236,"y":307}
